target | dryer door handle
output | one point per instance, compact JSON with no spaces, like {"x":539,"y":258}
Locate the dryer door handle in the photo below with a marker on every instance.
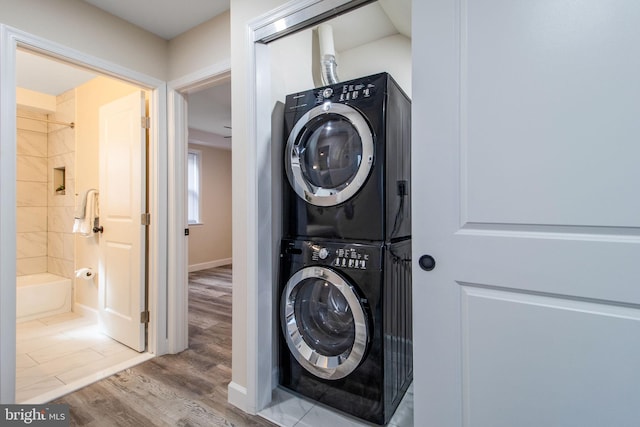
{"x":427,"y":262}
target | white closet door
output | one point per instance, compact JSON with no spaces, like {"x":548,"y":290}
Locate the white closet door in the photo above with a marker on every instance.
{"x":526,"y":151}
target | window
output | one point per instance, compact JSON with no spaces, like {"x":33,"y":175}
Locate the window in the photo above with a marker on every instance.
{"x":194,"y":166}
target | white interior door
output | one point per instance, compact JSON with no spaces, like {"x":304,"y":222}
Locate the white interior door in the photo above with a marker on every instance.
{"x":122,"y":202}
{"x":526,"y":148}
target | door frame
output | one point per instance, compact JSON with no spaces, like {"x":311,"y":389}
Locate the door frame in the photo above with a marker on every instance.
{"x":178,"y":144}
{"x":10,"y":39}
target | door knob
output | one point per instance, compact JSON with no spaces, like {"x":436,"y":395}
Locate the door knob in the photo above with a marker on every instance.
{"x":427,"y":262}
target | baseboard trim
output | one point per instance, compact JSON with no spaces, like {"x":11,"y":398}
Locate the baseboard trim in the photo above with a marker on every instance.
{"x":86,"y":311}
{"x":237,"y":396}
{"x":210,"y":264}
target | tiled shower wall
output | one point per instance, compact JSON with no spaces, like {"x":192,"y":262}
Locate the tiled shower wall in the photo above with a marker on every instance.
{"x":31,"y":194}
{"x":61,"y":154}
{"x":45,"y":217}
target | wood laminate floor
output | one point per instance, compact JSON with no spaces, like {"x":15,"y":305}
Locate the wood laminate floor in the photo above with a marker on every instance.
{"x":186,"y":389}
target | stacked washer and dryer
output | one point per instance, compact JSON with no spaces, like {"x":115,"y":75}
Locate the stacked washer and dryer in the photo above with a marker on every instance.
{"x":345,"y":259}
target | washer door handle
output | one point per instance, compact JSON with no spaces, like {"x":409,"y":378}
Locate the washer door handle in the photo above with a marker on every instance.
{"x":427,"y":262}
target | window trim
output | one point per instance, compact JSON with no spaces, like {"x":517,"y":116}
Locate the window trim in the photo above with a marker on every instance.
{"x":198,"y":164}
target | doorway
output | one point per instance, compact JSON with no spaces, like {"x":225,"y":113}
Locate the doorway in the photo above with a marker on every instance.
{"x":216,"y":137}
{"x":208,"y":190}
{"x":208,"y":168}
{"x":263,"y":31}
{"x":65,"y":128}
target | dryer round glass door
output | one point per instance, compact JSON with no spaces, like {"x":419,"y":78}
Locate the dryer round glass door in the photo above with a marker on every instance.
{"x":324,"y":323}
{"x":329,"y":154}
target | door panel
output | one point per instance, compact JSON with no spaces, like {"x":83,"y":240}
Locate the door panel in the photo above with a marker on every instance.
{"x":117,"y":298}
{"x":556,"y":124}
{"x":561,"y":359}
{"x":529,"y":204}
{"x":122,"y":202}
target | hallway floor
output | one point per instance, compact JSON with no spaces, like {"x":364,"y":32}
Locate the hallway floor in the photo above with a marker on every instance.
{"x":58,"y":354}
{"x":185,"y":389}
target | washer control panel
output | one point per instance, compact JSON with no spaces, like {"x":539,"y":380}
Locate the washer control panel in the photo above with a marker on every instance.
{"x":348,"y":256}
{"x":351,"y":258}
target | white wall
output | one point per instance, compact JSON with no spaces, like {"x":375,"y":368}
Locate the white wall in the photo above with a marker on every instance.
{"x":242,"y":11}
{"x":83,"y":27}
{"x":390,"y":54}
{"x":200,"y":47}
{"x":294,"y":67}
{"x":291,"y":61}
{"x":210,"y":241}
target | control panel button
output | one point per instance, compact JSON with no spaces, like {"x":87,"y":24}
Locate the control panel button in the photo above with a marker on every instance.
{"x":327,"y":92}
{"x":323,"y":253}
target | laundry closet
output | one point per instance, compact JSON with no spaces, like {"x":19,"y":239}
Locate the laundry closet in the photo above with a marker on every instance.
{"x":341,"y":145}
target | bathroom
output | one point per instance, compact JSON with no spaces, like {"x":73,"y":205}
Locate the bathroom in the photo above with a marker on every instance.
{"x":58,"y":341}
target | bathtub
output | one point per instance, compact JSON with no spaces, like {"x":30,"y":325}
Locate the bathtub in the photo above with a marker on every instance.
{"x":42,"y":295}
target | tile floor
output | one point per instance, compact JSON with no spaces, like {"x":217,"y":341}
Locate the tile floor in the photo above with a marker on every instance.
{"x":59,"y":354}
{"x":288,"y":410}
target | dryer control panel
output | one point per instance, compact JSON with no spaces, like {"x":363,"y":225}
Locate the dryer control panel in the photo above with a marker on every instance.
{"x":353,"y":90}
{"x":345,"y":92}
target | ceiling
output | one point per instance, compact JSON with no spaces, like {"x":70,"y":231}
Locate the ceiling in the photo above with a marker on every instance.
{"x":164,"y":18}
{"x":170,"y":18}
{"x":209,"y":109}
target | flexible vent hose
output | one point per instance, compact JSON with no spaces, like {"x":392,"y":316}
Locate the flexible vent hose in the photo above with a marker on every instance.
{"x":327,"y":55}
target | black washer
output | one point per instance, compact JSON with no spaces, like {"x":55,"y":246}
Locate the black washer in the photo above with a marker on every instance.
{"x":346,"y":324}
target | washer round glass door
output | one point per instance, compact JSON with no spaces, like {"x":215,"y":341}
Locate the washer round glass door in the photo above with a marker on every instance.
{"x":329,"y":154}
{"x":324,"y":323}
